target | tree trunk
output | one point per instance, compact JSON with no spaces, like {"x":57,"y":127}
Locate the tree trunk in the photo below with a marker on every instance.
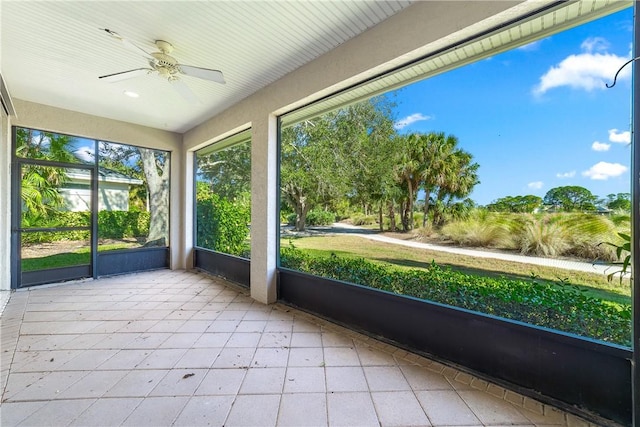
{"x":438,"y":213}
{"x":158,"y":193}
{"x":427,"y":193}
{"x":404,"y":214}
{"x":392,"y":218}
{"x":298,"y":200}
{"x":380,"y":217}
{"x":302,"y":209}
{"x":407,"y":214}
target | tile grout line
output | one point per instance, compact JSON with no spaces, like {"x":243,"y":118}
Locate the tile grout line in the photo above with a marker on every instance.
{"x":438,"y":367}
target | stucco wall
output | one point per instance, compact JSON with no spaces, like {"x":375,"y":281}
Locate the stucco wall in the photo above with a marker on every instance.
{"x":5,"y":201}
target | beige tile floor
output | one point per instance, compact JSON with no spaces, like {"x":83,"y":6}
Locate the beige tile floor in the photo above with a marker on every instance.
{"x":183,"y":348}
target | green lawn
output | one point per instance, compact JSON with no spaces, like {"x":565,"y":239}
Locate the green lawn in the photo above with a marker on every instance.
{"x":67,"y":259}
{"x":403,"y":257}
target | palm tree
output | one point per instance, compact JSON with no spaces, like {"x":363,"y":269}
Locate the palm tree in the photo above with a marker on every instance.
{"x":40,"y":184}
{"x":438,"y":170}
{"x":457,"y":183}
{"x":409,"y":173}
{"x":448,"y":173}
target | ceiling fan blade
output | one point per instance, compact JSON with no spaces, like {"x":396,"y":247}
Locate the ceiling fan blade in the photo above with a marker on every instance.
{"x":202,"y":73}
{"x":116,"y":77}
{"x":128,"y":44}
{"x":184,"y":91}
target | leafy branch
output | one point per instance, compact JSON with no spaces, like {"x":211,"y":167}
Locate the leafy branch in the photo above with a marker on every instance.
{"x":626,"y":262}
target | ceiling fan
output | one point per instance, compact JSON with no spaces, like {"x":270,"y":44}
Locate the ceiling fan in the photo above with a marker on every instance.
{"x":165,"y":65}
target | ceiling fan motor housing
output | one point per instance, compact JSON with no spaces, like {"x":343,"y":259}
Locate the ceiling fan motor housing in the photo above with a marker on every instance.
{"x":162,"y":62}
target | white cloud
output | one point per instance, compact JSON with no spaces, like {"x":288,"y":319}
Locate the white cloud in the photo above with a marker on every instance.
{"x":566,"y":174}
{"x":589,"y":70}
{"x":417,"y":117}
{"x":602,"y":171}
{"x":536,"y":185}
{"x":621,"y":137}
{"x":595,"y":44}
{"x":85,"y":153}
{"x":600,"y":146}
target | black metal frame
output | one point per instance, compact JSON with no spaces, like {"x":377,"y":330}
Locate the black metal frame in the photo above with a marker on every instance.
{"x":101,"y":263}
{"x":124,"y":261}
{"x":53,"y":275}
{"x":20,"y":279}
{"x":587,"y":377}
{"x":635,"y":220}
{"x":230,"y":267}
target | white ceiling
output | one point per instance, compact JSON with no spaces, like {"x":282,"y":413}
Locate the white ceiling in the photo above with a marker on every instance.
{"x":54,"y":51}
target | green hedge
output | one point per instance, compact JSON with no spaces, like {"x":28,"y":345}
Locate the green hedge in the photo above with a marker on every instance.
{"x":111,"y":225}
{"x":222,"y":225}
{"x":559,"y":306}
{"x":119,"y":224}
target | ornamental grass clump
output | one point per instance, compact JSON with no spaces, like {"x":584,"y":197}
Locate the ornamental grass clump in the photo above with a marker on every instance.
{"x":479,"y":231}
{"x":544,"y":238}
{"x":578,"y":235}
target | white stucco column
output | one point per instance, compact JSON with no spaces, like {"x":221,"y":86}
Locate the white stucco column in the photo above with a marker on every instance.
{"x":5,"y":201}
{"x":185,"y":247}
{"x":264,"y":219}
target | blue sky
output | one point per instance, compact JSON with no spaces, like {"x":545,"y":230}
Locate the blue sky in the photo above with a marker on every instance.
{"x":540,"y":116}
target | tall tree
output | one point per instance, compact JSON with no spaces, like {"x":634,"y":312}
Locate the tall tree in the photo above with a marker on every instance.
{"x":520,"y":204}
{"x":333,"y":157}
{"x":620,"y":201}
{"x":156,"y":170}
{"x":446,"y":173}
{"x":308,"y":171}
{"x":459,"y":180}
{"x":372,"y":153}
{"x":227,"y":171}
{"x":570,"y":198}
{"x":410,"y":167}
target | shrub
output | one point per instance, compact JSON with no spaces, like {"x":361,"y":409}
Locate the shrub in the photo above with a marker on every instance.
{"x":559,"y":306}
{"x":121,"y":224}
{"x":417,"y":220}
{"x":360,"y":219}
{"x":320,"y":217}
{"x":222,"y":225}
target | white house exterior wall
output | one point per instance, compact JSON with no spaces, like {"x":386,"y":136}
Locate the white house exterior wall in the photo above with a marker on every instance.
{"x":111,"y":197}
